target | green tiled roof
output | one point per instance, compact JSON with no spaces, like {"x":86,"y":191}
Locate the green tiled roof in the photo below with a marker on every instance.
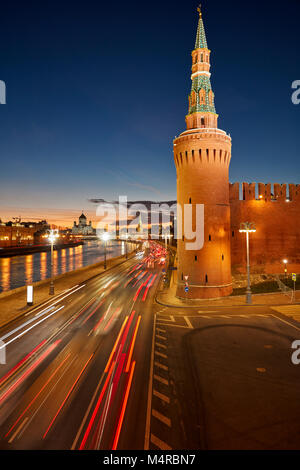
{"x":201,"y":38}
{"x":199,"y":82}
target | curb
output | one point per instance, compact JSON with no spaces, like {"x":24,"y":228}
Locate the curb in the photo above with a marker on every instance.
{"x":219,"y":306}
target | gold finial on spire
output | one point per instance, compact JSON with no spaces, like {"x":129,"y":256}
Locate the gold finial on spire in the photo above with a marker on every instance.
{"x":199,"y":10}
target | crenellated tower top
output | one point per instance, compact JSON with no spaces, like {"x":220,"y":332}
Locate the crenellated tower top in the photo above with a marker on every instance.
{"x":202,"y":112}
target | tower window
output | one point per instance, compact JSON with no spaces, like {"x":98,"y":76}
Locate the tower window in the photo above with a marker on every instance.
{"x":201,"y":57}
{"x":196,"y":258}
{"x":182,"y":276}
{"x":190,"y":200}
{"x":233,"y":233}
{"x":202,"y":122}
{"x":206,"y":278}
{"x":209,"y":238}
{"x":222,"y":257}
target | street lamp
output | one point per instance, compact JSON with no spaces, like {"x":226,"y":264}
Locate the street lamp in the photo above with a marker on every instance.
{"x":125,"y":241}
{"x":53,"y":235}
{"x":285,"y":262}
{"x":105,"y":237}
{"x":248,"y":227}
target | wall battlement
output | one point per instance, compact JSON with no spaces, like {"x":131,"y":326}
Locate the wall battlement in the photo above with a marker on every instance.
{"x":266,"y":192}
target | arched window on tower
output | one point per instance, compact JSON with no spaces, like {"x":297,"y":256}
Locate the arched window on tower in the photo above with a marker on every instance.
{"x":202,"y":122}
{"x":201,"y":57}
{"x":210,"y":97}
{"x":193,"y":98}
{"x":202,"y":96}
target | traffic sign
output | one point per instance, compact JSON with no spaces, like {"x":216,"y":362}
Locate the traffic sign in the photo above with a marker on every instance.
{"x":294,"y":277}
{"x":186,"y":289}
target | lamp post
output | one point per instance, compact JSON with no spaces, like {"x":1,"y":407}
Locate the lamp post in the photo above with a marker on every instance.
{"x":285,"y":262}
{"x":53,"y":235}
{"x":126,"y":249}
{"x":105,"y":237}
{"x":248,"y":227}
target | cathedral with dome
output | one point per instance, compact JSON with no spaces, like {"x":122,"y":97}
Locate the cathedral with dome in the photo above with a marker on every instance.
{"x":83,"y":228}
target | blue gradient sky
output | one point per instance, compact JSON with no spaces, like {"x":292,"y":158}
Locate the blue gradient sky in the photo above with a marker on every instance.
{"x":97,"y":91}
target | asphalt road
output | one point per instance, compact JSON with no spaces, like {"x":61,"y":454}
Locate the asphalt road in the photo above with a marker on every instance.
{"x":102,"y":366}
{"x":223,"y":378}
{"x":77,"y":368}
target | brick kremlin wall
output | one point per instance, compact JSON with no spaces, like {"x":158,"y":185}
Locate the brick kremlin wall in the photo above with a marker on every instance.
{"x":275,"y":210}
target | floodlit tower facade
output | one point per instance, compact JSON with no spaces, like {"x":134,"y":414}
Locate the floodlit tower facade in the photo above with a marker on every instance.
{"x":202,"y":156}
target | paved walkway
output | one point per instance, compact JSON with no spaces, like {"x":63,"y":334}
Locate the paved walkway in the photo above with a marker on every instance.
{"x":13,"y":303}
{"x":167,"y":297}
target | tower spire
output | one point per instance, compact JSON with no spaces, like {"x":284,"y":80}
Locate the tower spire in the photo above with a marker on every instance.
{"x":202,"y":112}
{"x":201,"y":42}
{"x":199,"y":9}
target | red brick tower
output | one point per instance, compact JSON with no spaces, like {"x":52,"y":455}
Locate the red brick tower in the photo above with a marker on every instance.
{"x":202,"y":155}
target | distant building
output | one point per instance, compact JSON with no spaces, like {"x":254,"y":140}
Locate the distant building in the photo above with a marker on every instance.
{"x":17,"y":233}
{"x":82,"y":228}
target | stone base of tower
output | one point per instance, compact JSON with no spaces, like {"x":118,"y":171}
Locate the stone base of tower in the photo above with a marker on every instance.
{"x":205,"y":292}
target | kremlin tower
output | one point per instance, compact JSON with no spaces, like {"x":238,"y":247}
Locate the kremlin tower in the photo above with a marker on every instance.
{"x":202,"y":156}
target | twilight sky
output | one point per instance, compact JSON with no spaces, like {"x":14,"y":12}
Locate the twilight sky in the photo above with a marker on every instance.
{"x":96,"y":92}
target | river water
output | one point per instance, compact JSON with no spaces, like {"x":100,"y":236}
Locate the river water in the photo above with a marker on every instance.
{"x":22,"y":270}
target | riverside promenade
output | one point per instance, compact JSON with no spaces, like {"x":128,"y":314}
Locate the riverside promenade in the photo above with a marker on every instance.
{"x":13,"y":303}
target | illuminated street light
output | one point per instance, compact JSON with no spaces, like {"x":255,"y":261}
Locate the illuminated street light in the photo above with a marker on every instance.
{"x":248,"y":227}
{"x":285,"y":262}
{"x":105,"y":238}
{"x":53,"y":235}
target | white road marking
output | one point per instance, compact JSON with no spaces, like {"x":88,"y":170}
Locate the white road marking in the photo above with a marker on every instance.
{"x":188,"y":323}
{"x":161,"y":354}
{"x":160,"y":444}
{"x":161,"y":379}
{"x":162,"y":418}
{"x":161,"y":396}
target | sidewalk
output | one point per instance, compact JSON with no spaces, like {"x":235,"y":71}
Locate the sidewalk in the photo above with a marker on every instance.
{"x":167,"y":297}
{"x":13,"y":303}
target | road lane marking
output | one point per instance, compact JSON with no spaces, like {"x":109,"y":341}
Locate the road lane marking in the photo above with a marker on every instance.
{"x":161,"y":354}
{"x":28,"y":329}
{"x":188,"y":323}
{"x":168,"y":318}
{"x":18,"y":430}
{"x":284,"y":321}
{"x":160,"y":444}
{"x":48,"y":394}
{"x":161,"y":337}
{"x":161,"y":396}
{"x":161,"y":345}
{"x":162,"y":418}
{"x":68,"y":394}
{"x":176,"y":326}
{"x":132,"y":343}
{"x":161,"y":379}
{"x":150,"y":385}
{"x":162,"y":366}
